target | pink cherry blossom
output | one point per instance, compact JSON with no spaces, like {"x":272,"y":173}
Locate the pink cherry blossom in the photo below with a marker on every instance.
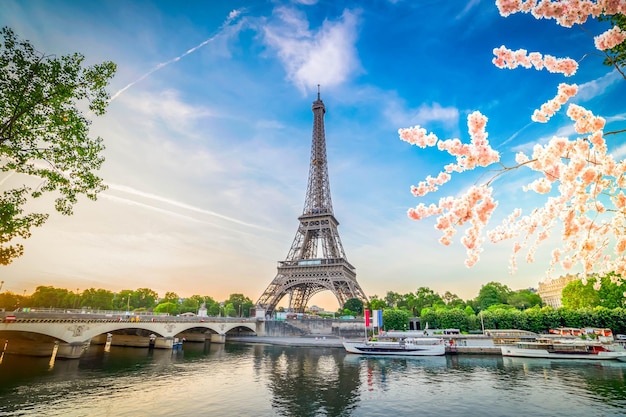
{"x":549,"y":109}
{"x":506,"y":58}
{"x":583,"y":185}
{"x":610,"y":38}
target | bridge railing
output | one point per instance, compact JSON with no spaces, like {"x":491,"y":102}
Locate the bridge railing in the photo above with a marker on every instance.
{"x":31,"y":315}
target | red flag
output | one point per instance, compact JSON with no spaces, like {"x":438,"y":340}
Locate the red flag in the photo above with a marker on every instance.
{"x":367,"y":318}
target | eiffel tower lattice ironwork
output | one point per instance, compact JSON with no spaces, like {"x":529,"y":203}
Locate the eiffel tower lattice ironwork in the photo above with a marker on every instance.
{"x":316,"y":261}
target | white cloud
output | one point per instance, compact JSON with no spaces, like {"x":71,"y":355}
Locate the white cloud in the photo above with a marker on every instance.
{"x":597,"y":87}
{"x":619,"y":152}
{"x":327,"y":56}
{"x":423,"y":115}
{"x":168,"y":107}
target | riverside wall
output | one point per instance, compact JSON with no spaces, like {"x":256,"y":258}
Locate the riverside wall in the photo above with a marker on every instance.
{"x":314,"y":327}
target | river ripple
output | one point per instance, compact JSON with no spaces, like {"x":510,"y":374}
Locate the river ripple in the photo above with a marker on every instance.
{"x":263,"y":380}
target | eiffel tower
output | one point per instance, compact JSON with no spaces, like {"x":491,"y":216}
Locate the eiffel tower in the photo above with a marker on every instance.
{"x":306,"y":271}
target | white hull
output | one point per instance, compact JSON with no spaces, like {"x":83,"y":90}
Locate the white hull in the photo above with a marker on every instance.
{"x":415,"y":347}
{"x":544,"y":353}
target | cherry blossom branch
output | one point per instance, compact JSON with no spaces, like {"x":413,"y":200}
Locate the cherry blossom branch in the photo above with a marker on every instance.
{"x":574,"y":174}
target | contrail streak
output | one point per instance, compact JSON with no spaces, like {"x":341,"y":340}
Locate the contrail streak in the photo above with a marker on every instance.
{"x":231,"y":16}
{"x":138,"y":193}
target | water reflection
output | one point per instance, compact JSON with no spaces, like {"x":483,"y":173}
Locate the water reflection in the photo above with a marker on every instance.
{"x":238,"y":379}
{"x":308,"y":382}
{"x":604,"y":379}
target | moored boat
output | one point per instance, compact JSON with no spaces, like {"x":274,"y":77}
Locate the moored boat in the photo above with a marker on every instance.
{"x":421,"y":346}
{"x":549,"y":348}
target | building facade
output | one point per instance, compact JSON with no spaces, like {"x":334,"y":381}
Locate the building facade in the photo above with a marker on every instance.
{"x":551,"y":291}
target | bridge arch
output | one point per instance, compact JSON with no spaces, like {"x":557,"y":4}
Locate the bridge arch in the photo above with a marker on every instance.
{"x":81,"y":331}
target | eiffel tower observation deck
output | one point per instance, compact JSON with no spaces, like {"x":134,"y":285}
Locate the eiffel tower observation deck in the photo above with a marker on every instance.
{"x":316,"y":261}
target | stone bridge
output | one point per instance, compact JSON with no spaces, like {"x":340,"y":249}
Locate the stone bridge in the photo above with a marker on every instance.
{"x":72,"y":333}
{"x":73,"y":330}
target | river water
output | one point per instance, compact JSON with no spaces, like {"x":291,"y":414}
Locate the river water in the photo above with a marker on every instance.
{"x":264,"y":380}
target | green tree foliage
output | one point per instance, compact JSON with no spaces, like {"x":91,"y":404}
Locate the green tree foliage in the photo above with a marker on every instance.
{"x":577,"y":295}
{"x":453,"y":300}
{"x":355,"y":306}
{"x":241,"y":304}
{"x":425,"y":297}
{"x":44,"y":135}
{"x":453,"y":319}
{"x":212,"y":306}
{"x":612,"y":293}
{"x":492,"y":293}
{"x":167,"y":307}
{"x":377,"y":304}
{"x":394,"y":319}
{"x":393,"y":299}
{"x":191,"y":304}
{"x":96,"y":299}
{"x":524,"y":299}
{"x":170,"y":297}
{"x":144,"y":298}
{"x":122,"y":299}
{"x":230,"y":310}
{"x":9,"y":301}
{"x":51,"y":297}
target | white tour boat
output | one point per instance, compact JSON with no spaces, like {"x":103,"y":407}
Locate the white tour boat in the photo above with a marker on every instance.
{"x":551,"y":348}
{"x":415,"y":346}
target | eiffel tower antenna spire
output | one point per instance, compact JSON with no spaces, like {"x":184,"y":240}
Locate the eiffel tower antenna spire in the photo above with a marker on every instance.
{"x":316,"y":261}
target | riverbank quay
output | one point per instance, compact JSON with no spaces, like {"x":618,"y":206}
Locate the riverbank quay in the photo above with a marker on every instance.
{"x":299,"y":341}
{"x":331,"y":341}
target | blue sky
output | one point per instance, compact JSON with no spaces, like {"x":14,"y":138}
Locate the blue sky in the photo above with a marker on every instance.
{"x":209,"y":132}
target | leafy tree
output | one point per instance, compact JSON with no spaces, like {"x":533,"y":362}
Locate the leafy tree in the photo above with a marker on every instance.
{"x":376,"y":303}
{"x":122,"y":300}
{"x":212,"y":306}
{"x":393,"y":298}
{"x":524,"y":299}
{"x":241,"y":304}
{"x":431,"y":318}
{"x":551,"y":318}
{"x":229,"y":310}
{"x":355,"y":306}
{"x":8,"y":301}
{"x":534,"y":319}
{"x":492,"y":293}
{"x":171,"y":297}
{"x":167,"y":307}
{"x":96,"y":299}
{"x":46,"y":296}
{"x":192,"y":304}
{"x":577,"y":295}
{"x":453,"y":319}
{"x":453,"y":300}
{"x":144,"y":298}
{"x":43,"y":134}
{"x":425,"y":297}
{"x":611,"y":292}
{"x":394,"y":319}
